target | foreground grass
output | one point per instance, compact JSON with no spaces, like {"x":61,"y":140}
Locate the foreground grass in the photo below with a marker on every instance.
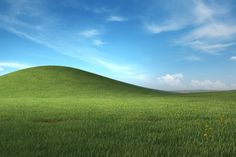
{"x":139,"y":126}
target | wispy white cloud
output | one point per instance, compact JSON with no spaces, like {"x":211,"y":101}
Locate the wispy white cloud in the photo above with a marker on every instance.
{"x":114,"y":18}
{"x":170,"y":18}
{"x":126,"y":72}
{"x":172,"y":80}
{"x":169,"y":26}
{"x":97,"y":10}
{"x":90,"y":33}
{"x":210,"y":28}
{"x":208,"y":85}
{"x":72,"y":44}
{"x":142,"y":77}
{"x":214,"y":30}
{"x":211,"y":37}
{"x":202,"y":12}
{"x":116,"y":68}
{"x":210,"y":34}
{"x":233,"y":58}
{"x":99,"y":42}
{"x":13,"y":65}
{"x":205,"y":46}
{"x":193,"y":58}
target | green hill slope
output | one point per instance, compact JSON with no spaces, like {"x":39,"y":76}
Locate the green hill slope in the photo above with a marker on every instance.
{"x":56,"y":81}
{"x":58,"y":111}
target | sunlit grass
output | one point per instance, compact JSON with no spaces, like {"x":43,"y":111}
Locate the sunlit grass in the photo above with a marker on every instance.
{"x":42,"y":115}
{"x":164,"y":126}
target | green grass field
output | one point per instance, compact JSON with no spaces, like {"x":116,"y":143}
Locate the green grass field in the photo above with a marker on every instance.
{"x":64,"y":112}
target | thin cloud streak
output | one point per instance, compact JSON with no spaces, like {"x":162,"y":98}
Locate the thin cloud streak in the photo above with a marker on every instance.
{"x":154,"y":28}
{"x":14,"y":65}
{"x":61,"y":43}
{"x":209,"y":32}
{"x":233,"y":58}
{"x":90,"y":33}
{"x":117,"y":68}
{"x":116,"y":18}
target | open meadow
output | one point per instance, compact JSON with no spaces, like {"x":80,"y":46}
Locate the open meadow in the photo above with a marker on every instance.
{"x":64,"y":112}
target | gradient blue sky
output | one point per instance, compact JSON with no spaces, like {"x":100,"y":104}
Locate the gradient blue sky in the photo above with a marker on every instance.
{"x":170,"y":45}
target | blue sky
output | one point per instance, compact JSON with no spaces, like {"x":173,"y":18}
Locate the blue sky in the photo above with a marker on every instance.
{"x":169,"y":45}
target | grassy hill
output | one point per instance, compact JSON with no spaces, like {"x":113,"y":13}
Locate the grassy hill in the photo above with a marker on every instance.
{"x":56,"y":81}
{"x":64,"y":112}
